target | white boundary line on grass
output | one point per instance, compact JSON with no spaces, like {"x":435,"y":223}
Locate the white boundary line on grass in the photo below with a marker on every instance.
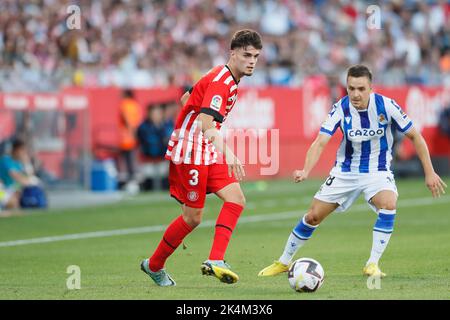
{"x":208,"y":223}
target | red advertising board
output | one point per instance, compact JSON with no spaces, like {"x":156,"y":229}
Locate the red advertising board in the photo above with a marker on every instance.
{"x":276,"y":124}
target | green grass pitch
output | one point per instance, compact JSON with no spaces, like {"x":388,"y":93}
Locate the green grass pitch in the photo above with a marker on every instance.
{"x":417,"y":259}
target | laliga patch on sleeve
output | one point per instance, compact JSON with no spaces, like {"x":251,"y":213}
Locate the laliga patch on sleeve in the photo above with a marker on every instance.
{"x":216,"y":102}
{"x":332,"y":111}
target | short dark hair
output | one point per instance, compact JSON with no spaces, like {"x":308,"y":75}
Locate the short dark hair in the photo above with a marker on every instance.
{"x":128,"y":93}
{"x":358,"y":71}
{"x":152,"y":106}
{"x":246,"y":37}
{"x":17,"y":144}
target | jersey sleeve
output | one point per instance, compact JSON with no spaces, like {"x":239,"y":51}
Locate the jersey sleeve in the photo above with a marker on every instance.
{"x":332,"y":122}
{"x":12,"y":166}
{"x":215,"y":100}
{"x":399,"y":117}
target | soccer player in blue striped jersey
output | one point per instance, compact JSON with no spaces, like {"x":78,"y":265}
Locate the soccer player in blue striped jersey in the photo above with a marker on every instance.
{"x":367,"y":121}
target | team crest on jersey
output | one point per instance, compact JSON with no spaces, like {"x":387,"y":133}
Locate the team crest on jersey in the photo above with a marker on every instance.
{"x":192,"y":196}
{"x":382,"y":120}
{"x":216,"y":102}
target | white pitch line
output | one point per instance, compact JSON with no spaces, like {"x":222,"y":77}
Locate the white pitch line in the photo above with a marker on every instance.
{"x":208,"y":223}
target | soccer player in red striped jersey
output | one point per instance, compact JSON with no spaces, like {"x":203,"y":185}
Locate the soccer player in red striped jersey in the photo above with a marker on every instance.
{"x":201,"y":162}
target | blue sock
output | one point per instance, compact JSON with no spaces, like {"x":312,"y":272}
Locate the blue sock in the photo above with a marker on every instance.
{"x":304,"y":230}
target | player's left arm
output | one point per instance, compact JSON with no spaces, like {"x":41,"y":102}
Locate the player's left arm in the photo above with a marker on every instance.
{"x":405,"y":125}
{"x":213,"y":110}
{"x":432,"y":179}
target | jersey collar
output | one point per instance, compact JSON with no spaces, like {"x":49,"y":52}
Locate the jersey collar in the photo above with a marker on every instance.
{"x":237,"y":82}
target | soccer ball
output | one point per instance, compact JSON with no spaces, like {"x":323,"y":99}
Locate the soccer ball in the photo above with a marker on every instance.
{"x":305,"y":275}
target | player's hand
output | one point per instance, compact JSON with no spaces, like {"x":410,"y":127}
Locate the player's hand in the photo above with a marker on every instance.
{"x":33,"y":181}
{"x":435,"y":184}
{"x":300,"y":175}
{"x":236,"y":168}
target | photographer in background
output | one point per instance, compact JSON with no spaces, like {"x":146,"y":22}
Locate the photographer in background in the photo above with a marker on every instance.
{"x":20,"y":185}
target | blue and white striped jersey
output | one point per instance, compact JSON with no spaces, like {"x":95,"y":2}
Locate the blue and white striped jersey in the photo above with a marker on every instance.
{"x":368,"y":134}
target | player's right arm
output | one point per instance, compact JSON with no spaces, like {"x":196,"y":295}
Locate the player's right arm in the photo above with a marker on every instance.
{"x":327,"y":130}
{"x":185,"y":97}
{"x":312,"y":156}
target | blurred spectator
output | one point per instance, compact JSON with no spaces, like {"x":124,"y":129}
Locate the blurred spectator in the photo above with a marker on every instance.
{"x":153,"y":134}
{"x":248,"y":12}
{"x":129,"y":120}
{"x":275,"y":19}
{"x":444,"y":121}
{"x":337,"y":90}
{"x":445,"y":61}
{"x":9,"y":200}
{"x":170,"y":113}
{"x":133,"y":43}
{"x":16,"y":173}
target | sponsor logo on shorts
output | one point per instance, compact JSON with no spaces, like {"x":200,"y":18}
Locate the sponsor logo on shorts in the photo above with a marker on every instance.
{"x":192,"y":196}
{"x":216,"y":102}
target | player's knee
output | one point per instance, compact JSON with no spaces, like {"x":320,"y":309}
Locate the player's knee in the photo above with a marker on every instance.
{"x":237,"y":199}
{"x":312,"y":219}
{"x":193,"y":217}
{"x":240,"y":200}
{"x":193,"y":221}
{"x":388,"y":205}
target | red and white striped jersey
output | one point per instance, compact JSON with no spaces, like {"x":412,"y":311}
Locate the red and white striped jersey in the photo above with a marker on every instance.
{"x":214,"y":94}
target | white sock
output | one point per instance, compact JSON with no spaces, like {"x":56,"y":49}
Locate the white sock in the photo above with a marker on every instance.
{"x":382,"y":232}
{"x":301,"y":233}
{"x":379,"y":244}
{"x":292,"y":245}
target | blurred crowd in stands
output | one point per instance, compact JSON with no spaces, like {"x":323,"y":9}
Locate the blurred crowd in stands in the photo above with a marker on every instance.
{"x":173,"y":42}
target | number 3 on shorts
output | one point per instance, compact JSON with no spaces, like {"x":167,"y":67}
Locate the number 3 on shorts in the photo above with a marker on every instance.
{"x":194,"y":179}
